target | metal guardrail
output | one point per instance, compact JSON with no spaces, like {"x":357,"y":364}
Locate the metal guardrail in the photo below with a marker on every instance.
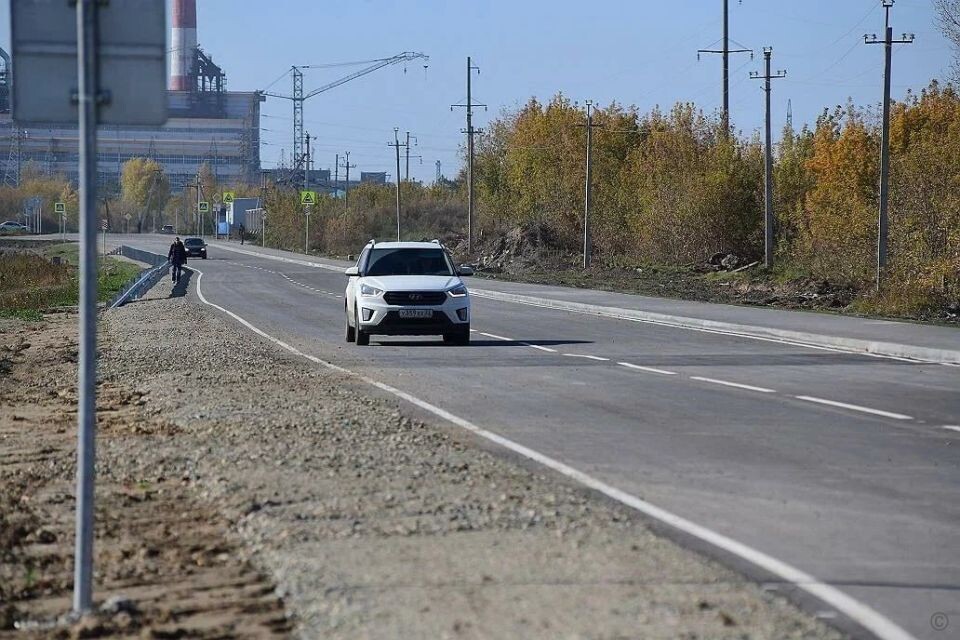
{"x":144,"y":280}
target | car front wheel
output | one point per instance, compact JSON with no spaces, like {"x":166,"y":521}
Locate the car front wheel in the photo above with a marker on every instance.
{"x":362,"y":337}
{"x":459,"y":338}
{"x":351,"y":333}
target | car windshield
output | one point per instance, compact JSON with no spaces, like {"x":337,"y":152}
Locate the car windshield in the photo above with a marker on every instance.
{"x":408,"y":262}
{"x":193,"y":242}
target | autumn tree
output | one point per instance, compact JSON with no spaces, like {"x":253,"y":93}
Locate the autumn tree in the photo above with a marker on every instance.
{"x":144,"y":189}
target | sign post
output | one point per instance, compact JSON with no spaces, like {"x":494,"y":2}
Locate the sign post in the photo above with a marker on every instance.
{"x":307,"y":200}
{"x":90,"y":62}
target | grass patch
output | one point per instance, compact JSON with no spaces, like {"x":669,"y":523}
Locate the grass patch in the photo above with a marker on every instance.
{"x":31,"y":283}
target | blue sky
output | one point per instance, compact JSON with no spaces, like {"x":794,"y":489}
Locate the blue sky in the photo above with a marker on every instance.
{"x":634,"y":52}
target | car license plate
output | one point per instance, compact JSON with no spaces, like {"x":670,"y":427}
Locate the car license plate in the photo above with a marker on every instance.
{"x":416,"y":313}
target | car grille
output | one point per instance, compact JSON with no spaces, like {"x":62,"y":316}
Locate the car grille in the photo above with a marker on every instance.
{"x":406,"y":298}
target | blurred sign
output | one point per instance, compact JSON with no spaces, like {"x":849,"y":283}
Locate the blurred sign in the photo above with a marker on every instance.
{"x":229,"y":197}
{"x":104,"y":225}
{"x":308,"y":197}
{"x":203,"y":206}
{"x":59,"y":207}
{"x":131,"y":54}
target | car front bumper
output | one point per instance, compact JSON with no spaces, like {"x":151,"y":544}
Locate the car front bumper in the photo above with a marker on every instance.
{"x":375,"y":316}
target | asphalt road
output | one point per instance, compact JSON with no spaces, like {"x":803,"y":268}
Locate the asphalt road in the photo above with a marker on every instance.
{"x":742,"y":436}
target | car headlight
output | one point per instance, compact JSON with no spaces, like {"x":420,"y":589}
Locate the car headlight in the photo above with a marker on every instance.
{"x":370,"y":292}
{"x":458,"y":292}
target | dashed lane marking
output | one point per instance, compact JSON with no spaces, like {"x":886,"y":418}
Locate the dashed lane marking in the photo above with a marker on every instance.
{"x":735,"y":385}
{"x":586,"y":356}
{"x":952,"y":427}
{"x":637,"y":367}
{"x":855,"y":407}
{"x":872,"y":620}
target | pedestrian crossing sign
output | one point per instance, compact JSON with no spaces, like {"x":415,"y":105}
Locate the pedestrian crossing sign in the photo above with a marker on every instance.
{"x":308,"y":197}
{"x":229,"y":197}
{"x":203,"y":207}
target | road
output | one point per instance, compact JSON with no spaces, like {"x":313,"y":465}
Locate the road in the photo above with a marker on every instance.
{"x":841,"y":465}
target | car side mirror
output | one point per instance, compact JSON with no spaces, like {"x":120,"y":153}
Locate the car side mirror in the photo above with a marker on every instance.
{"x":465,"y":270}
{"x":352,"y":271}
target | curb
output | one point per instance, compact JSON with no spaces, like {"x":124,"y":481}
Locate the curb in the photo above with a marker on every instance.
{"x":852,"y":345}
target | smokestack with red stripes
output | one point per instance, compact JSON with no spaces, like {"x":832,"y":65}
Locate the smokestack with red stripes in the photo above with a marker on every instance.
{"x":183,"y":43}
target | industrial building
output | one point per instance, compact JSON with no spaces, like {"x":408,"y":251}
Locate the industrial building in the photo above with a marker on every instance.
{"x":207,"y":124}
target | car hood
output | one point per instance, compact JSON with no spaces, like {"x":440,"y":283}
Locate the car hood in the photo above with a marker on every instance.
{"x":412,"y":283}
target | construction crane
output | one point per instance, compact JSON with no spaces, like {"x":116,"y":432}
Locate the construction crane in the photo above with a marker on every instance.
{"x":299,"y":97}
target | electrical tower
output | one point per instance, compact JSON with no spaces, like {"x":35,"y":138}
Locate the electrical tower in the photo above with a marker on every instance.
{"x":406,"y":173}
{"x":888,"y":42}
{"x":346,"y":187}
{"x":768,"y":221}
{"x":725,"y":52}
{"x":11,"y":174}
{"x":471,"y":132}
{"x":439,"y":173}
{"x":299,"y":97}
{"x":790,"y":113}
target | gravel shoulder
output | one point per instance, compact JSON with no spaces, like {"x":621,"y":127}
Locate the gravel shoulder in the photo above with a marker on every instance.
{"x":373,"y":524}
{"x":370,"y":524}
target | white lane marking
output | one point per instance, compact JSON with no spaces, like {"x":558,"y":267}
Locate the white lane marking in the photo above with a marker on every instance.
{"x":540,"y":347}
{"x":494,"y":336}
{"x":855,"y":407}
{"x":861,"y":613}
{"x":588,"y":357}
{"x":630,"y":365}
{"x":952,"y":427}
{"x":736,"y":385}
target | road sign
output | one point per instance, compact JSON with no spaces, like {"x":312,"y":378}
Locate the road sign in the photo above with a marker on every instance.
{"x":127,"y":217}
{"x":229,"y":197}
{"x":308,"y":197}
{"x":203,"y":206}
{"x":59,"y":207}
{"x":132,"y":54}
{"x":104,"y":224}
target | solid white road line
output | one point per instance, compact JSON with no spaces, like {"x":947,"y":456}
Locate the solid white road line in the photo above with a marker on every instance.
{"x":494,"y":336}
{"x":588,"y":357}
{"x":856,"y":407}
{"x":736,"y":385}
{"x":861,"y":613}
{"x":952,"y":427}
{"x":537,"y":346}
{"x":637,"y":367}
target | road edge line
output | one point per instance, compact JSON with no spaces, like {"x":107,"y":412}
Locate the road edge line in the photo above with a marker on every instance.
{"x":862,"y":614}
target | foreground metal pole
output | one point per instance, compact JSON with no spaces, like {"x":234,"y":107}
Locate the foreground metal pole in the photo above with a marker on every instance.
{"x":88,"y":94}
{"x":882,"y":222}
{"x":587,"y":198}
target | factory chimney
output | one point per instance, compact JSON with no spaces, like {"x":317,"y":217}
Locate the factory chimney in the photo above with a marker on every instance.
{"x":183,"y":44}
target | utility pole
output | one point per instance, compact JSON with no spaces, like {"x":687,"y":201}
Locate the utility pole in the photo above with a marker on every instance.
{"x":470,"y":131}
{"x":725,"y":51}
{"x":406,"y":173}
{"x":882,"y":223}
{"x":298,"y":100}
{"x":397,"y":144}
{"x":336,"y":173}
{"x":588,"y":189}
{"x":768,"y":221}
{"x":306,"y":164}
{"x":439,"y":173}
{"x":346,"y":188}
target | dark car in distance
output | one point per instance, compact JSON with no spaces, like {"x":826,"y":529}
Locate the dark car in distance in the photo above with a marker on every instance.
{"x":195,"y":247}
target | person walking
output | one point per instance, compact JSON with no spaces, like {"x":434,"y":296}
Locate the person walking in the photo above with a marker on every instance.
{"x":177,"y":257}
{"x":242,"y":232}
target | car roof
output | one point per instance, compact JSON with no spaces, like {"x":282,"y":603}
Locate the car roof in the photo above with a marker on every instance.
{"x":193,"y":238}
{"x":407,"y":245}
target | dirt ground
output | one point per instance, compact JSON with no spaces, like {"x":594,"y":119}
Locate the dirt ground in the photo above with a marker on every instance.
{"x":166,"y":565}
{"x":245,"y":493}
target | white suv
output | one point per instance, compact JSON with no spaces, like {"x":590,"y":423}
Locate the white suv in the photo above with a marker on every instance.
{"x":407,"y":288}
